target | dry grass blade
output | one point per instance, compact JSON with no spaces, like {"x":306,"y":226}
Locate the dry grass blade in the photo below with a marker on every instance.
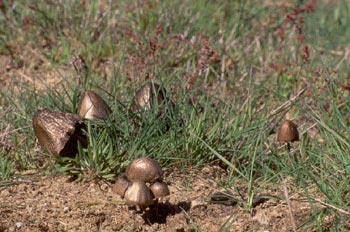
{"x":317,"y":200}
{"x":286,"y":105}
{"x":332,"y":206}
{"x":292,"y":220}
{"x":4,"y":134}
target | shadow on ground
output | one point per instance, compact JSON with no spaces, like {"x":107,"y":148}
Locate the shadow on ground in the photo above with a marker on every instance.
{"x":158,"y":213}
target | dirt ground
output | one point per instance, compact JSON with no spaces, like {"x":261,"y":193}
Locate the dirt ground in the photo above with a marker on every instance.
{"x":55,"y":203}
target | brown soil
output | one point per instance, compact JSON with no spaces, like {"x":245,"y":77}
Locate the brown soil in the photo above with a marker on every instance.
{"x":54,"y":203}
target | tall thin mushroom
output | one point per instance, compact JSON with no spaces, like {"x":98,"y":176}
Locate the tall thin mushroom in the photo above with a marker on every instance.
{"x":288,"y":133}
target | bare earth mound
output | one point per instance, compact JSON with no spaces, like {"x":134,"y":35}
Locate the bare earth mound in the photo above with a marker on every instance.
{"x":57,"y":204}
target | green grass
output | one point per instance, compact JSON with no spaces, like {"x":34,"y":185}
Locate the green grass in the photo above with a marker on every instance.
{"x":224,"y":56}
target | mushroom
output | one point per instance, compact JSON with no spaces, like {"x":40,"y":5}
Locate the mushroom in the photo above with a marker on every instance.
{"x":288,"y":133}
{"x":159,"y":189}
{"x":149,"y":96}
{"x":59,"y":132}
{"x":139,"y":194}
{"x":133,"y":186}
{"x":92,"y":106}
{"x":144,"y":169}
{"x":121,"y":185}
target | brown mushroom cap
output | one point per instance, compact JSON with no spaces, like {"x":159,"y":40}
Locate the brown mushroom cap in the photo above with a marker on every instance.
{"x":59,"y":132}
{"x":121,"y":186}
{"x":159,"y":189}
{"x":288,"y":132}
{"x":138,"y":194}
{"x":144,"y":169}
{"x":92,"y":106}
{"x":150,"y":95}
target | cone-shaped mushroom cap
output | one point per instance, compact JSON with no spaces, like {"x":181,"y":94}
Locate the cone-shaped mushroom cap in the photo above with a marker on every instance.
{"x":159,"y":189}
{"x":149,"y":95}
{"x":138,"y":194}
{"x":144,"y":169}
{"x":121,"y":186}
{"x":288,"y":132}
{"x":92,"y":106}
{"x":59,"y":132}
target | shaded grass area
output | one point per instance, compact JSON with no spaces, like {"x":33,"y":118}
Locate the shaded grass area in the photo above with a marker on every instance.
{"x":235,"y":70}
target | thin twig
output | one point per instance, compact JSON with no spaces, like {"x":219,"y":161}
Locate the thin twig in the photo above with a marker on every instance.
{"x":307,"y":129}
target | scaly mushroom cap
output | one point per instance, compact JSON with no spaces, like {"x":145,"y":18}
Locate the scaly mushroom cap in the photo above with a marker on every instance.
{"x":92,"y":106}
{"x":59,"y":132}
{"x":159,"y":189}
{"x":288,"y":132}
{"x":138,"y":194}
{"x":144,"y":169}
{"x":150,"y":95}
{"x":121,"y":186}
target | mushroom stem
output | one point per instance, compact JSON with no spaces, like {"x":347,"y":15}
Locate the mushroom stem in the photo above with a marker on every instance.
{"x":288,"y":147}
{"x":292,"y":158}
{"x":142,"y":208}
{"x":156,"y":203}
{"x":134,"y":218}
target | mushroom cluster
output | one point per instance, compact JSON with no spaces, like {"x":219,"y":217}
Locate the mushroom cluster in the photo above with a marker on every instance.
{"x":59,"y":132}
{"x":54,"y":129}
{"x":142,"y":183}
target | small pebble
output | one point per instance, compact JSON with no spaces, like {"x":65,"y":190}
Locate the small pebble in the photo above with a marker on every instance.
{"x":66,"y":209}
{"x":198,"y":202}
{"x":19,"y":225}
{"x":5,"y":193}
{"x":206,"y":170}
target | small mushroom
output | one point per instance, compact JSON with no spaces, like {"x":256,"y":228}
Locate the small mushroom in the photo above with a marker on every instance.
{"x":149,"y":96}
{"x":59,"y":132}
{"x":144,"y":169}
{"x":159,"y":189}
{"x":288,"y":133}
{"x":138,"y":194}
{"x":92,"y":106}
{"x":121,"y":185}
